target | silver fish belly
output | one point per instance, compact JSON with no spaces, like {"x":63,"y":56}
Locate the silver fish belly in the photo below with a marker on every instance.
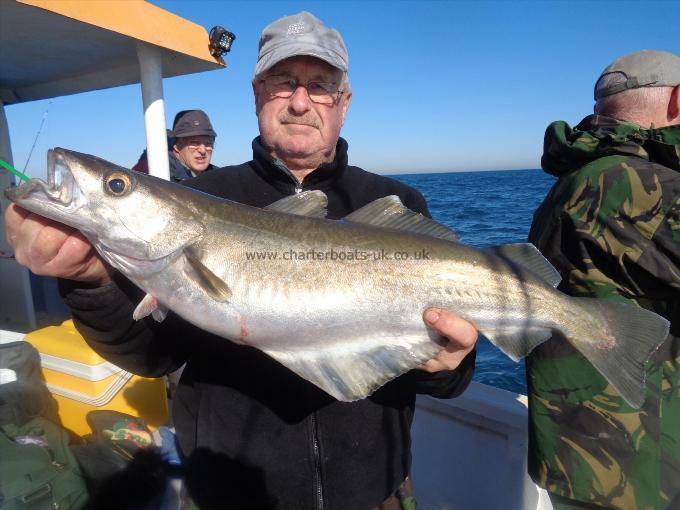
{"x":338,"y":302}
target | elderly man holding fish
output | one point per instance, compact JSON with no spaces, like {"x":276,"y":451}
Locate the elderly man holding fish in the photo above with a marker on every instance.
{"x":255,"y":434}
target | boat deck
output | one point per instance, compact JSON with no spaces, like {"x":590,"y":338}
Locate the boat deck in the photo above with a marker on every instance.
{"x":470,"y":453}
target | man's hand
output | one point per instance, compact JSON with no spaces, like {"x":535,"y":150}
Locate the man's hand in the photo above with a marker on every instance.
{"x":52,"y":249}
{"x":462,"y":337}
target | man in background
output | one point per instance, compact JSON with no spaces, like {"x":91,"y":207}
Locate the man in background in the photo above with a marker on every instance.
{"x":253,"y":433}
{"x":611,"y":226}
{"x":190,"y":143}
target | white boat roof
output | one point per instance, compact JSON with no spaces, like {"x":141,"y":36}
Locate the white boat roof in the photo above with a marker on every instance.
{"x":50,"y":48}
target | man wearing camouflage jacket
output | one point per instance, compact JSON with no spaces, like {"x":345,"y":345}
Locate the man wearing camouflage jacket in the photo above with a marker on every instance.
{"x":611,"y":226}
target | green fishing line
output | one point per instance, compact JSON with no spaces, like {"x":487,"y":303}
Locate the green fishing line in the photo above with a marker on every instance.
{"x":16,"y":172}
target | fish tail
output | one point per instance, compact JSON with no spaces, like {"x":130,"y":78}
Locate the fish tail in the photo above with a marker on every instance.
{"x":620,"y":353}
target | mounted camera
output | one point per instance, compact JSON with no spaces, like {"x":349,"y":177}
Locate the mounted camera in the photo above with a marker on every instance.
{"x":220,"y":41}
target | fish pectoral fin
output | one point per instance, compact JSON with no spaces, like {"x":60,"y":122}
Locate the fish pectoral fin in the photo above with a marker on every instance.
{"x":526,"y":255}
{"x":621,"y":353}
{"x":353,"y":370}
{"x":389,"y":212}
{"x":150,"y":305}
{"x":307,"y":203}
{"x":211,"y":284}
{"x":516,"y":342}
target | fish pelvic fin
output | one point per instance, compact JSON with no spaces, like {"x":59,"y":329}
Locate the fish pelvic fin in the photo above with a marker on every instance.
{"x":350,"y":376}
{"x":150,"y":306}
{"x":311,"y":203}
{"x":620,"y":355}
{"x":389,"y":212}
{"x":527,"y":256}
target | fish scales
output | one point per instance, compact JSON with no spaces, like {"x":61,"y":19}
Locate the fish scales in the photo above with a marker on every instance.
{"x":344,"y":324}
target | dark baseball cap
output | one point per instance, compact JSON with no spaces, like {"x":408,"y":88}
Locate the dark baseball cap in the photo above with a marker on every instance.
{"x":646,"y":68}
{"x":300,"y":34}
{"x":192,"y":123}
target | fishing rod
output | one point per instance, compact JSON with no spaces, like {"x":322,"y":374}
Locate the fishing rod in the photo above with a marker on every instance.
{"x":35,"y":140}
{"x":10,"y":168}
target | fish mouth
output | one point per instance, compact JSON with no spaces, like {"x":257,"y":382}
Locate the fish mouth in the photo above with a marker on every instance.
{"x":59,"y":194}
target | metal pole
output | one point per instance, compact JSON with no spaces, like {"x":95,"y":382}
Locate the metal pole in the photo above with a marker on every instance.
{"x":151,"y":77}
{"x":16,"y":298}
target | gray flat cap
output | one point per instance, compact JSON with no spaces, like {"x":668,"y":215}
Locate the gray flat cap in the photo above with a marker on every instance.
{"x":644,"y":68}
{"x":300,"y":34}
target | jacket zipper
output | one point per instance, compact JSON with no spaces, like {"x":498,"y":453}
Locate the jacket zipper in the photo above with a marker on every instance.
{"x":297,"y":185}
{"x":317,"y":464}
{"x":318,"y":489}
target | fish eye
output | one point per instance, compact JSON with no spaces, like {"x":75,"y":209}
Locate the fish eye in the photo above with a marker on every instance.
{"x":118,"y":184}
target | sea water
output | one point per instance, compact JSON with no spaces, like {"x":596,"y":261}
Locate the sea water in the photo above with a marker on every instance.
{"x":486,"y":208}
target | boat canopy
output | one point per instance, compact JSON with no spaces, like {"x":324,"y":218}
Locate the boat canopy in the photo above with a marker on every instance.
{"x":52,"y":48}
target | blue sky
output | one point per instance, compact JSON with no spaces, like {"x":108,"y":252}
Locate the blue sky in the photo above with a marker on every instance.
{"x":438,"y":85}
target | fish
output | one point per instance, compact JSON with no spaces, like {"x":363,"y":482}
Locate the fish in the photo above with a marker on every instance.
{"x":338,"y":302}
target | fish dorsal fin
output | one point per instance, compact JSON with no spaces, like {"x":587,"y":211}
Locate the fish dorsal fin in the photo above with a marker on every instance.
{"x":389,"y":212}
{"x":353,"y":374}
{"x":526,"y":255}
{"x":307,"y":203}
{"x":211,"y":284}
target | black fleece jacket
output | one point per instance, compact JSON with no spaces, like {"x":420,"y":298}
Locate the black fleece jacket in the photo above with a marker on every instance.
{"x":254,"y":434}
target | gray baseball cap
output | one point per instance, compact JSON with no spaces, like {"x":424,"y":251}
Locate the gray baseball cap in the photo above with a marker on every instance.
{"x":300,"y":34}
{"x":646,"y":68}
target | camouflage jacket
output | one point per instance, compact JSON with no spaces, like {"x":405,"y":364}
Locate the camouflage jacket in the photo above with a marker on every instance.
{"x":611,"y":226}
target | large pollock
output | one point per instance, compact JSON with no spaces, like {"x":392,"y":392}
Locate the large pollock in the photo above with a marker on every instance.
{"x":338,"y":302}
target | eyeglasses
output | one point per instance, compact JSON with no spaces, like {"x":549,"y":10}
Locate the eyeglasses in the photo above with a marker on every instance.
{"x":194,"y":145}
{"x":319,"y":91}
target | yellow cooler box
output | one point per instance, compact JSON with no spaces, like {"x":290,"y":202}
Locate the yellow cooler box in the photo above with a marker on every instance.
{"x":82,"y":381}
